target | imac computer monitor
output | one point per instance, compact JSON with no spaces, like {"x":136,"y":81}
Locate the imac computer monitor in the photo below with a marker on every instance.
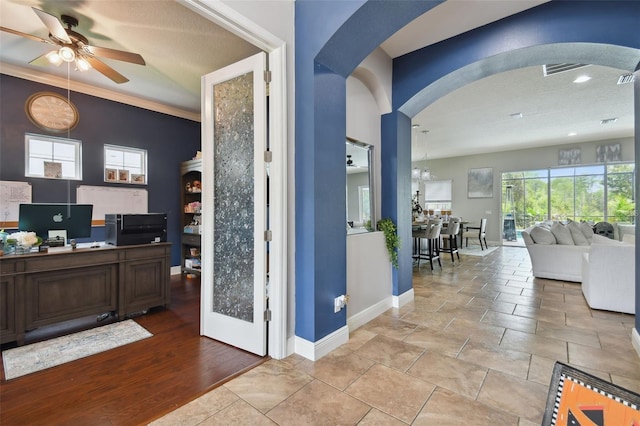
{"x":75,"y":219}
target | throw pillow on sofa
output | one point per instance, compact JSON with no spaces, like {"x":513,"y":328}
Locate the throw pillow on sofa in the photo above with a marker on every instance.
{"x":541,"y":235}
{"x":587,"y":230}
{"x":576,"y":234}
{"x":562,"y":234}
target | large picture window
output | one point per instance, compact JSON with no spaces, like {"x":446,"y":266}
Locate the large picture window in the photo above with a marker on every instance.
{"x":586,"y":193}
{"x":53,"y":157}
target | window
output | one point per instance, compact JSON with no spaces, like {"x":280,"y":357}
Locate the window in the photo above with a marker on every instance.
{"x":364,"y":203}
{"x":125,"y":165}
{"x":437,"y":196}
{"x":52,"y":157}
{"x":620,"y":193}
{"x":591,"y":193}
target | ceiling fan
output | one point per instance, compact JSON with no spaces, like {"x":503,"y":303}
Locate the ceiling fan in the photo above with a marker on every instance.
{"x":74,"y":47}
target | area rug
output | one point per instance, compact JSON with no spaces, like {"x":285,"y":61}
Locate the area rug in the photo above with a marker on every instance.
{"x":50,"y":353}
{"x":474,"y":250}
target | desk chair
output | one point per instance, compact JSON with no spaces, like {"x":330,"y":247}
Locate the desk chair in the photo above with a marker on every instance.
{"x":432,"y":235}
{"x":450,"y":237}
{"x":478,"y":232}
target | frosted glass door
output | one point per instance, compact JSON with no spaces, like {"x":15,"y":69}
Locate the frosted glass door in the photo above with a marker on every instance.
{"x":234,"y":205}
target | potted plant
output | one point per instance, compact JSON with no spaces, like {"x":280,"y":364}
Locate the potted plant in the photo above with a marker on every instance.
{"x":391,"y":239}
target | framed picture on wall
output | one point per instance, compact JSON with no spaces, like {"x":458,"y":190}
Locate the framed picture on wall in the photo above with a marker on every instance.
{"x":137,"y":178}
{"x":606,"y":153}
{"x":123,"y":176}
{"x":52,"y":169}
{"x":480,"y":183}
{"x":569,"y":156}
{"x":110,"y":175}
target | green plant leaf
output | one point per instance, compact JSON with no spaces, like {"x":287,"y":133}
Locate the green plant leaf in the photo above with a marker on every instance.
{"x":391,"y":239}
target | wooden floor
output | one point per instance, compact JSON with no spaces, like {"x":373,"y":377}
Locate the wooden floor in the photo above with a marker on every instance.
{"x":133,"y":384}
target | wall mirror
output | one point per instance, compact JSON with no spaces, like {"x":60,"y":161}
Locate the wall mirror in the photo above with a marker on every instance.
{"x":360,"y":190}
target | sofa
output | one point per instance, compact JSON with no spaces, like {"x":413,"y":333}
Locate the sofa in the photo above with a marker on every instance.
{"x":608,"y":275}
{"x":553,"y":257}
{"x":556,"y":250}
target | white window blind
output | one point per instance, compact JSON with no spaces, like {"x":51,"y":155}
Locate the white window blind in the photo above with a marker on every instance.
{"x":438,"y":190}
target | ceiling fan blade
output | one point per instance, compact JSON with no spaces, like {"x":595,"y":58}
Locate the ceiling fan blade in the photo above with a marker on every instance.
{"x":42,"y":61}
{"x":119,"y":55}
{"x":106,"y":70}
{"x":53,"y":25}
{"x":21,"y":34}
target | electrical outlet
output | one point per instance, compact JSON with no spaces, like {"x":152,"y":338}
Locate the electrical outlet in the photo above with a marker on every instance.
{"x":339,"y":303}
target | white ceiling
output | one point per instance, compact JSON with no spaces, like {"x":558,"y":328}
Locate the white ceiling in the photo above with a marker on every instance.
{"x":179,"y":46}
{"x":476,"y":118}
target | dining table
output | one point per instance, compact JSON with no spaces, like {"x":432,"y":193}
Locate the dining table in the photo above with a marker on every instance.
{"x":416,"y":225}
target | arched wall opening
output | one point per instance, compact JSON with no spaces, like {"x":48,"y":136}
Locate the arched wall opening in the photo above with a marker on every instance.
{"x":326,"y":57}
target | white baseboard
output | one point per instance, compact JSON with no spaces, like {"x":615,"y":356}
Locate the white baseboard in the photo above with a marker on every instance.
{"x":316,"y":350}
{"x":403,"y":299}
{"x":635,"y":340}
{"x":368,"y":314}
{"x":291,"y":345}
{"x":176,"y":270}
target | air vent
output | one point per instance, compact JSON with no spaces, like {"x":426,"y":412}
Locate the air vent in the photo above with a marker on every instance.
{"x":551,"y":69}
{"x":626,"y":78}
{"x":609,"y":120}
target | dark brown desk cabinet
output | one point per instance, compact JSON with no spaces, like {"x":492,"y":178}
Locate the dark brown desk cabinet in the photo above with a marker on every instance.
{"x":40,"y":289}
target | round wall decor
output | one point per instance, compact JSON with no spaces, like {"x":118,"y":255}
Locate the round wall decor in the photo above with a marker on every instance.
{"x":52,"y":112}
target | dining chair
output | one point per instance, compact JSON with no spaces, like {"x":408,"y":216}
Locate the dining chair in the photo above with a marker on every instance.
{"x":432,"y":236}
{"x":478,"y":232}
{"x":450,"y":237}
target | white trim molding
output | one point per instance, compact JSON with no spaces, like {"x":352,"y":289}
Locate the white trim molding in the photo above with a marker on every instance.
{"x":233,"y":21}
{"x":363,"y":317}
{"x":316,"y":350}
{"x":87,"y":89}
{"x":403,"y":299}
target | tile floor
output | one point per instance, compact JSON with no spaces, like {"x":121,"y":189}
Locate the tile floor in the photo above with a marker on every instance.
{"x":476,"y":347}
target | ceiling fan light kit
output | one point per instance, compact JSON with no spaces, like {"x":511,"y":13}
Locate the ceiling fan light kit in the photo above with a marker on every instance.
{"x":67,"y":54}
{"x":74,"y":47}
{"x":54,"y":58}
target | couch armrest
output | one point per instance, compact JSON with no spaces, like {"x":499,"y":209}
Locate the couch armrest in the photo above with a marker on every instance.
{"x":609,"y":277}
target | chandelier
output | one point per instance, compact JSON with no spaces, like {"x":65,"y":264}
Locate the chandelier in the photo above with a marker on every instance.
{"x":417,"y":174}
{"x":422,"y":175}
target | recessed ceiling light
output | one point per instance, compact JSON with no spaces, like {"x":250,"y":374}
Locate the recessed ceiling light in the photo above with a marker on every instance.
{"x":516,"y":115}
{"x":572,"y":134}
{"x":582,"y":79}
{"x":609,"y":120}
{"x":415,"y":126}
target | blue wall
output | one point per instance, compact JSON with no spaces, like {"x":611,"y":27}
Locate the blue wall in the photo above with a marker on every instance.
{"x":332,"y":38}
{"x":336,"y":37}
{"x":168,"y":141}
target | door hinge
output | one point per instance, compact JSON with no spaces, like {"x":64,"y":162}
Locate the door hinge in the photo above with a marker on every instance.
{"x":268,"y":156}
{"x":267,"y":79}
{"x":267,"y":315}
{"x":267,"y":235}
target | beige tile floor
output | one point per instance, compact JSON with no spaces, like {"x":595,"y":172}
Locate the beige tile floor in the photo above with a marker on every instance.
{"x":477,"y":347}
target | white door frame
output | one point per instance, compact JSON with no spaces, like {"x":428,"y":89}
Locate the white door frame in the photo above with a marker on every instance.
{"x":228,"y":18}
